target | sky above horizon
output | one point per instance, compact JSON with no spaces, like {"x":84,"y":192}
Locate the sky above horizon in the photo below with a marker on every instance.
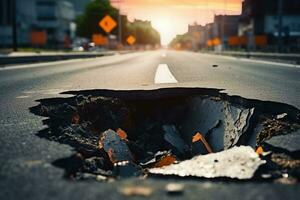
{"x":172,"y":17}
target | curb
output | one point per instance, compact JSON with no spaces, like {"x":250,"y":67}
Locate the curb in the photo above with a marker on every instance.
{"x":48,"y":58}
{"x":288,"y":58}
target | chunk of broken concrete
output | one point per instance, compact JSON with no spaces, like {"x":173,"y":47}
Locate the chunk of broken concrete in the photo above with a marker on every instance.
{"x":172,"y":136}
{"x":241,"y":123}
{"x":282,"y":116}
{"x":221,"y":123}
{"x":115,"y":147}
{"x":289,"y":142}
{"x":127,"y":169}
{"x":237,"y":162}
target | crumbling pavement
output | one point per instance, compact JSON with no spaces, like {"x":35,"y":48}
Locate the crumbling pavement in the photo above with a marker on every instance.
{"x":187,"y":132}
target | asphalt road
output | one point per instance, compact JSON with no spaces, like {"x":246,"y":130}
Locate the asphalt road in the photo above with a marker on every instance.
{"x":26,"y":171}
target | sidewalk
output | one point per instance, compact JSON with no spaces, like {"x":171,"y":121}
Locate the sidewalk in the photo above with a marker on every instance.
{"x":47,"y":53}
{"x":35,"y":57}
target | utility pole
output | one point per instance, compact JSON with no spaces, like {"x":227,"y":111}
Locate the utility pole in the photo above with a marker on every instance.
{"x":279,"y":25}
{"x":206,"y":26}
{"x":14,"y":26}
{"x":120,"y":25}
{"x":119,"y":2}
{"x":223,"y":24}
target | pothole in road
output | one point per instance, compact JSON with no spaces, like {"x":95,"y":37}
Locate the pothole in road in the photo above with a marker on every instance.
{"x":173,"y":132}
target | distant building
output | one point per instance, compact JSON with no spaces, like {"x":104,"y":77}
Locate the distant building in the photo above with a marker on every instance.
{"x":54,"y":17}
{"x":215,"y":34}
{"x":195,"y":28}
{"x":266,"y":25}
{"x":226,"y":27}
{"x":197,"y":34}
{"x":79,"y":6}
{"x":262,"y":18}
{"x":5,"y":21}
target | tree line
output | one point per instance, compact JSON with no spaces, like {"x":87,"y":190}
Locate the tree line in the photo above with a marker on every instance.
{"x":88,"y":24}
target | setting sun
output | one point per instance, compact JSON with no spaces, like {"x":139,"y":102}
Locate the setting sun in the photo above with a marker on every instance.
{"x":164,"y":27}
{"x":170,"y":17}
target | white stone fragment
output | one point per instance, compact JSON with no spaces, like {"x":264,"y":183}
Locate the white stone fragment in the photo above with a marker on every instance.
{"x":237,"y":162}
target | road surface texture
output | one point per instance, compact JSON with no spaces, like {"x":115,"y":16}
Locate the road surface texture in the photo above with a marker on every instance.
{"x":26,"y":171}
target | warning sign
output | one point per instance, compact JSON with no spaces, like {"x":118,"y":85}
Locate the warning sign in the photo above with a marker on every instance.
{"x":107,"y":24}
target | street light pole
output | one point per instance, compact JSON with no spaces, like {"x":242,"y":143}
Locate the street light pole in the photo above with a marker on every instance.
{"x":120,"y":25}
{"x":119,"y":19}
{"x":223,"y":25}
{"x":14,"y":26}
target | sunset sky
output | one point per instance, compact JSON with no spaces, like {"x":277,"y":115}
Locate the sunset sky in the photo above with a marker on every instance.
{"x":171,"y":17}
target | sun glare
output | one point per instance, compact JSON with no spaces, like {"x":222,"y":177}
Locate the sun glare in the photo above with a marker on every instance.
{"x":165,"y":28}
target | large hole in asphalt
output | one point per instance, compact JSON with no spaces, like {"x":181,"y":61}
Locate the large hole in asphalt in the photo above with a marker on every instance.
{"x":177,"y":131}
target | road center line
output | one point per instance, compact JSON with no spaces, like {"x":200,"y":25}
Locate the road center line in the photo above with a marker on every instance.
{"x":163,"y":75}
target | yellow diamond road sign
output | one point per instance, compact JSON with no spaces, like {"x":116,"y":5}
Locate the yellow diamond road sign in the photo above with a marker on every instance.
{"x":107,"y":24}
{"x":131,"y":40}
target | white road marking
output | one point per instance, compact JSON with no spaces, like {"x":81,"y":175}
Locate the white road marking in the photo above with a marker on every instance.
{"x":163,"y":75}
{"x":164,"y":55}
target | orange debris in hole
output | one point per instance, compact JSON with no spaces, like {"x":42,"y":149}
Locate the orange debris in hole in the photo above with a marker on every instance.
{"x":111,"y":155}
{"x":198,"y":137}
{"x":122,"y":133}
{"x":259,"y":150}
{"x":165,"y":161}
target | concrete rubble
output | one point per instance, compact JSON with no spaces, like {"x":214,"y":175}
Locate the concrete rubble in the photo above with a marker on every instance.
{"x":173,"y":137}
{"x":282,"y":116}
{"x":238,"y":162}
{"x":221,"y":123}
{"x":238,"y":123}
{"x":115,"y":147}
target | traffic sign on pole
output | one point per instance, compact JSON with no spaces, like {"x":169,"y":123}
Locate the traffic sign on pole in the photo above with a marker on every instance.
{"x":119,"y":2}
{"x":107,"y":24}
{"x":131,"y":40}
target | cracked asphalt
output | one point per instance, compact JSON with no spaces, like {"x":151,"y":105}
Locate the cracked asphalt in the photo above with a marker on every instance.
{"x":26,"y":171}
